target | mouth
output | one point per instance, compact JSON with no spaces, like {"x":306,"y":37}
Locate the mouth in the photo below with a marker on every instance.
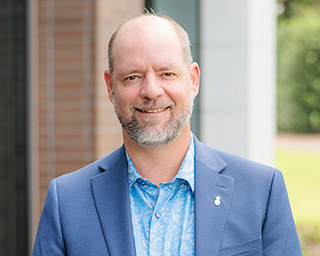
{"x":157,"y":110}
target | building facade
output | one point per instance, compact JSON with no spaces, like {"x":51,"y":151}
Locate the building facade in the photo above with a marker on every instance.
{"x":55,"y":113}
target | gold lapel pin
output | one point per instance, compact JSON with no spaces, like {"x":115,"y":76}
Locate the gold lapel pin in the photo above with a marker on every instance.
{"x":217,"y":201}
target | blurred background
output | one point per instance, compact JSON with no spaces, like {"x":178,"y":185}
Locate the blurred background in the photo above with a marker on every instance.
{"x":298,"y":114}
{"x":259,"y":96}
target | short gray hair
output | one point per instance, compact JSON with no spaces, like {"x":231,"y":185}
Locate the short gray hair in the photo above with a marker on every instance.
{"x":181,"y":33}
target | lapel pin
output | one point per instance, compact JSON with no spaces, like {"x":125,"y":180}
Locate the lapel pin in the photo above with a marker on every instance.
{"x":217,"y":201}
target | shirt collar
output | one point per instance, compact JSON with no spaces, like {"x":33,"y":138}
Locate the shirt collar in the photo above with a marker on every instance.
{"x":133,"y":175}
{"x":185,"y":172}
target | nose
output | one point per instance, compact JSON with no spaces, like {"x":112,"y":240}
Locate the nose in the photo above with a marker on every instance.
{"x":151,"y":87}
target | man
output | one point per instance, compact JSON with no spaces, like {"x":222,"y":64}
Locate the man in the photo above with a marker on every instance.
{"x":163,"y":192}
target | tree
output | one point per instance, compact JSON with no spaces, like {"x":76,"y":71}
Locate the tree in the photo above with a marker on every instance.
{"x":299,"y":73}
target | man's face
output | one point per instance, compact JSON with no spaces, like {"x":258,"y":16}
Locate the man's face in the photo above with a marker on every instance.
{"x":152,"y":88}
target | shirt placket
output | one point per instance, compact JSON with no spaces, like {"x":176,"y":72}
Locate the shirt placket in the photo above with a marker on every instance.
{"x":158,"y":225}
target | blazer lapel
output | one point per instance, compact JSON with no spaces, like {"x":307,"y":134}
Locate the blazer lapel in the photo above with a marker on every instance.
{"x":213,"y":195}
{"x":111,"y":195}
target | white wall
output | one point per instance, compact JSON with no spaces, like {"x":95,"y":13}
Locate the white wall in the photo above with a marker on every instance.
{"x":238,"y":63}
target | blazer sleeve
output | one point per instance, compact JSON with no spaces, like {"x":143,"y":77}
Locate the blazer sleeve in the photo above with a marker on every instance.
{"x":49,"y":239}
{"x":279,"y":231}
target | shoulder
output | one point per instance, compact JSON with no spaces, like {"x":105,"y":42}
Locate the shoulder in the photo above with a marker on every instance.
{"x":74,"y":190}
{"x":252,"y":177}
{"x":86,"y":173}
{"x":235,"y":166}
{"x":242,"y":165}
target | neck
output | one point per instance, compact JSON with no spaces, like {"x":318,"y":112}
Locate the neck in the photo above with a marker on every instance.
{"x":159,"y":164}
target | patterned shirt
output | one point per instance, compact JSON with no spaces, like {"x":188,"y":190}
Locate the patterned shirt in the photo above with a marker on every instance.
{"x":163,"y":217}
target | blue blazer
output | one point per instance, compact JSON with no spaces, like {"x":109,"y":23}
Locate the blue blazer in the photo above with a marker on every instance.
{"x":87,"y":212}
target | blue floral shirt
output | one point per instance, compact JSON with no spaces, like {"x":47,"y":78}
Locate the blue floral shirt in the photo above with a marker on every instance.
{"x":163,"y":218}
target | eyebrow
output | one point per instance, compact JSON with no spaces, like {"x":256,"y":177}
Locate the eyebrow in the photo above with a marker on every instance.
{"x":134,"y":70}
{"x":166,"y":68}
{"x":127,"y":72}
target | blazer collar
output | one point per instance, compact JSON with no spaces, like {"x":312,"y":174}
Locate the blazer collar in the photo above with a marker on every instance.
{"x":111,"y":195}
{"x":213,"y":195}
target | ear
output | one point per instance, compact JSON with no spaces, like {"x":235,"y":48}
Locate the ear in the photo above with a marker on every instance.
{"x":195,"y":78}
{"x":108,"y":80}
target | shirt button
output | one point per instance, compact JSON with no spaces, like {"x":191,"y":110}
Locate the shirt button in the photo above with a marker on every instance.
{"x":158,"y":215}
{"x":143,"y":182}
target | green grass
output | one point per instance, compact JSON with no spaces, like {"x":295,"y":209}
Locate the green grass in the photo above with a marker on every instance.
{"x":301,"y":171}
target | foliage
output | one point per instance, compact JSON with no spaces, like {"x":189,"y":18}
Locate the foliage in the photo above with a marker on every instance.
{"x":299,"y":74}
{"x":291,"y":8}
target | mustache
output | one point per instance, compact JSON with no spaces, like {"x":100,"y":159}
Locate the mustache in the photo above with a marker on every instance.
{"x":153,"y":104}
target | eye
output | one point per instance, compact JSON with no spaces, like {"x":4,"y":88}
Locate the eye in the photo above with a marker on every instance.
{"x":131,"y":78}
{"x":167,"y":74}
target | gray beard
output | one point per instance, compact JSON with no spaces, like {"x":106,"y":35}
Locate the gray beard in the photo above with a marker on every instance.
{"x":151,"y":134}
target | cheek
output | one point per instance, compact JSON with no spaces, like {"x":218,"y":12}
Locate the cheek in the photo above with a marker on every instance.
{"x":182,"y":95}
{"x":124,"y":98}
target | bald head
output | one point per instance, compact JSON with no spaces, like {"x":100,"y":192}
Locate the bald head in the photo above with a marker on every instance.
{"x":137,"y":27}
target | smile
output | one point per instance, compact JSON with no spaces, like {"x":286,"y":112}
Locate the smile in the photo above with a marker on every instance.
{"x":152,"y":110}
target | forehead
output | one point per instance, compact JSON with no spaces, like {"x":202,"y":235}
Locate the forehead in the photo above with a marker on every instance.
{"x":147,"y":25}
{"x":147,"y":37}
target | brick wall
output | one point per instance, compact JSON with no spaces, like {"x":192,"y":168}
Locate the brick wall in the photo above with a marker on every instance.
{"x":76,"y":121}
